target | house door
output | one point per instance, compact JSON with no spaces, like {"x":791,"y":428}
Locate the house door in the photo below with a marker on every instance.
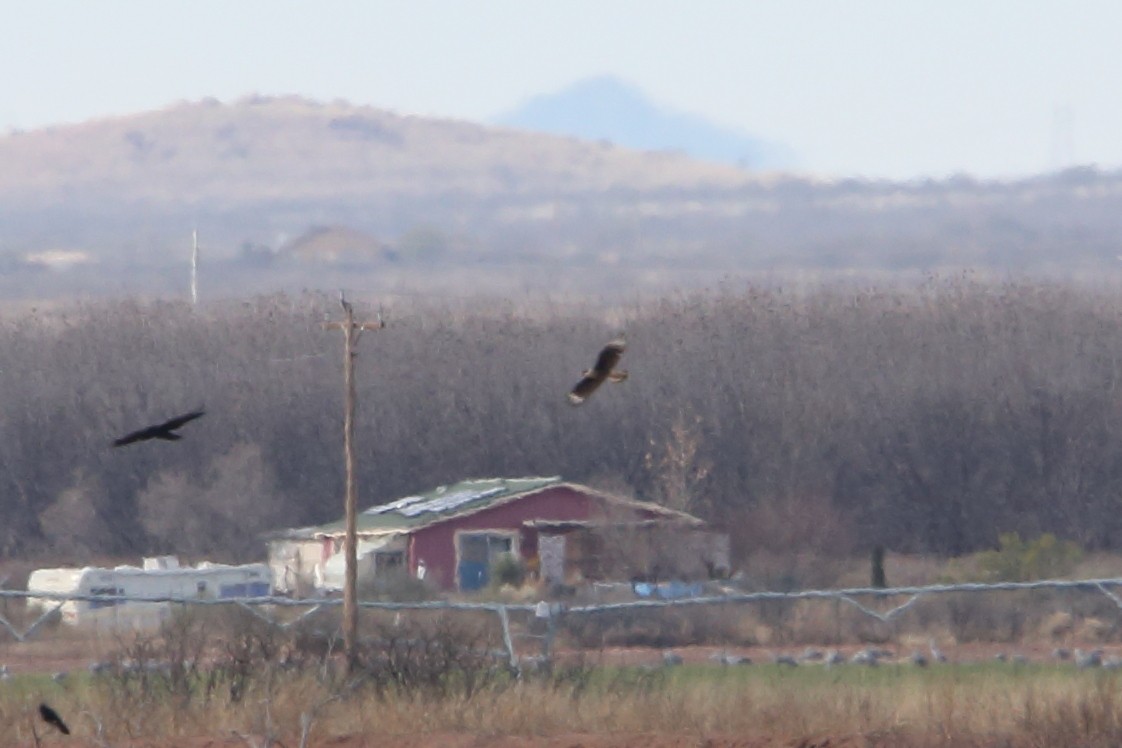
{"x":551,"y":552}
{"x":477,"y":551}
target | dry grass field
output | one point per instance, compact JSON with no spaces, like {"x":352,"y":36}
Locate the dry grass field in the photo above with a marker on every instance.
{"x":261,"y":688}
{"x":948,"y":705}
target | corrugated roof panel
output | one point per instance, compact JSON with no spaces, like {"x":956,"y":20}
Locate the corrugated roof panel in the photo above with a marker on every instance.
{"x":419,"y":510}
{"x":451,"y":501}
{"x":393,"y":505}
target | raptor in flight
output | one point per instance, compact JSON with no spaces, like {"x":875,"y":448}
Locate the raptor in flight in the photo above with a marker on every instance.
{"x":604,"y":369}
{"x":165,"y":431}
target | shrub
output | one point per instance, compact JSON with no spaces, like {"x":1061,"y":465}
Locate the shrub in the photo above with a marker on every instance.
{"x":441,"y":658}
{"x":507,"y":570}
{"x":1019,"y":561}
{"x":396,"y":586}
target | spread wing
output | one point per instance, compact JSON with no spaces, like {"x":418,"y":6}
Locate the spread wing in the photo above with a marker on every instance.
{"x":162,"y":431}
{"x":585,"y":387}
{"x":601,"y":370}
{"x":137,"y":436}
{"x":180,"y":420}
{"x":608,"y":358}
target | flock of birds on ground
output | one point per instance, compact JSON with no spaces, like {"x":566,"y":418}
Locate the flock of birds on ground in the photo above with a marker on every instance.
{"x":874,"y":656}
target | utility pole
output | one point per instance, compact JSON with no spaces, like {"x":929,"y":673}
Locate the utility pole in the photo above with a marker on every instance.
{"x":194,"y":267}
{"x":351,"y":333}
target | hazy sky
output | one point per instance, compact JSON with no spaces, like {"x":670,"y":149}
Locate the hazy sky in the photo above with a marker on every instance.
{"x":885,"y":88}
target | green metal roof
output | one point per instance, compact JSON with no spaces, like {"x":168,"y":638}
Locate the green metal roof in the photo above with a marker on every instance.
{"x":442,"y":502}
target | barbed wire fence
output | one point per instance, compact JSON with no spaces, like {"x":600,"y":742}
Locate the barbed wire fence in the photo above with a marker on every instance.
{"x":554,"y":615}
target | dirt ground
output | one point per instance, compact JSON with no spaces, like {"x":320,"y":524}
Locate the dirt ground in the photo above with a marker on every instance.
{"x":454,"y":740}
{"x":48,"y":657}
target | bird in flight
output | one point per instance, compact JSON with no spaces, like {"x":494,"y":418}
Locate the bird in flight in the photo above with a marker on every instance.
{"x":603,"y":370}
{"x":50,"y":716}
{"x":163,"y":431}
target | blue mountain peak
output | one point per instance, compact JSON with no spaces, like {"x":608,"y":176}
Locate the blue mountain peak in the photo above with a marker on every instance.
{"x":607,"y":108}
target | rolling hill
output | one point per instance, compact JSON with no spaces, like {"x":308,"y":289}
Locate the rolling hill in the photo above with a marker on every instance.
{"x":289,"y":149}
{"x":291,"y":193}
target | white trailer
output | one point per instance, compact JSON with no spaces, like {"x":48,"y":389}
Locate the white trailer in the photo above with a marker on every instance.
{"x":159,"y":578}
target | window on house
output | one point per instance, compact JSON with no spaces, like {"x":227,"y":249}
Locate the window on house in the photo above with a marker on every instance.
{"x":478,"y":551}
{"x":497,"y":545}
{"x":386,"y":561}
{"x":95,"y":604}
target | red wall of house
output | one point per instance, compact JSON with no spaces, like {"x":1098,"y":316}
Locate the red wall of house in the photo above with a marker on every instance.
{"x":436,"y":544}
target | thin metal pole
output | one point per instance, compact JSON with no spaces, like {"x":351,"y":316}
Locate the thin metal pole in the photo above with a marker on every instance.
{"x":194,"y":267}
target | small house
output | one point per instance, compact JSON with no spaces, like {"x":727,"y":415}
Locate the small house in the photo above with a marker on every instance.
{"x":452,"y":536}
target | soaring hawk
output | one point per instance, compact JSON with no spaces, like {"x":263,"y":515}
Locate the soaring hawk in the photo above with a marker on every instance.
{"x":603,"y":370}
{"x":163,"y":431}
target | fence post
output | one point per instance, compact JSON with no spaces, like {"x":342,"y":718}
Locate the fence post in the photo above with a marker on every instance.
{"x":551,"y":622}
{"x":508,"y":640}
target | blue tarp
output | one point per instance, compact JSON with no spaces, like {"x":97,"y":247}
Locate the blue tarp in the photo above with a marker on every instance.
{"x":668,"y":590}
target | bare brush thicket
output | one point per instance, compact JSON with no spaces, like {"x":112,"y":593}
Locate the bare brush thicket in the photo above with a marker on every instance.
{"x":931,"y":418}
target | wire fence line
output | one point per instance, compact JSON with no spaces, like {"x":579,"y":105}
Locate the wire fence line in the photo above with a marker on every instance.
{"x":1100,"y":585}
{"x":552,"y":612}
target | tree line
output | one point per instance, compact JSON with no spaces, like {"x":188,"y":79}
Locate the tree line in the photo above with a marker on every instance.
{"x":926,"y":418}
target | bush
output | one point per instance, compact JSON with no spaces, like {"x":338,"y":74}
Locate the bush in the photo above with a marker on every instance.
{"x":1019,"y":561}
{"x":396,"y":586}
{"x":438,"y":659}
{"x":507,"y":570}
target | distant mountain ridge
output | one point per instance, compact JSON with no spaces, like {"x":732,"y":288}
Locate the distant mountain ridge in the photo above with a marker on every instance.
{"x":291,"y":148}
{"x":607,"y":108}
{"x":291,"y":193}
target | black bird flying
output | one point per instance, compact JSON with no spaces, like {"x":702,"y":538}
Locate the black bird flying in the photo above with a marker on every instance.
{"x":163,"y":431}
{"x":50,"y":716}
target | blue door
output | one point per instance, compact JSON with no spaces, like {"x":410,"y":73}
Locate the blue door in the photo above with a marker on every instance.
{"x":473,"y":575}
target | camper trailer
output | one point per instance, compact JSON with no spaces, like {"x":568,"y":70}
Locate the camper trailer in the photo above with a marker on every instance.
{"x":159,"y":577}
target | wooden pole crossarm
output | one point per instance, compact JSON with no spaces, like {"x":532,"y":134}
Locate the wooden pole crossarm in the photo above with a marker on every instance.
{"x":352,"y":332}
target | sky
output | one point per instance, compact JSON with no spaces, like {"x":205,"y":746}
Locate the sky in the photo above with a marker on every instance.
{"x":898,"y":89}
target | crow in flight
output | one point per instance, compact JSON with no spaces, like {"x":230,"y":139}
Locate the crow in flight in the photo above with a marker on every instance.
{"x":50,"y":716}
{"x":603,"y":370}
{"x":163,"y":431}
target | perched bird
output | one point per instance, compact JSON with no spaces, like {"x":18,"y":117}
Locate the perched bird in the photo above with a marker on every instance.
{"x":1084,"y":660}
{"x":50,"y":716}
{"x":810,"y":654}
{"x":869,"y":656}
{"x":604,"y":370}
{"x":725,"y":658}
{"x":163,"y":431}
